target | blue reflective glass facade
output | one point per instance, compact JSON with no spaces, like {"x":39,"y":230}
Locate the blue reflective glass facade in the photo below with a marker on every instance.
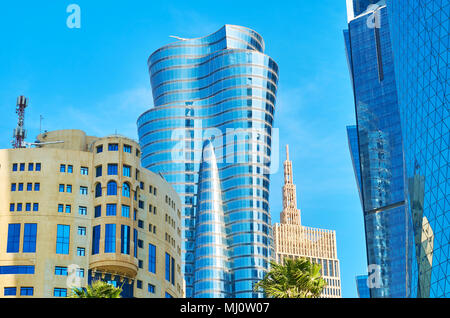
{"x":207,"y":88}
{"x":362,"y":286}
{"x":380,"y":152}
{"x":420,"y":39}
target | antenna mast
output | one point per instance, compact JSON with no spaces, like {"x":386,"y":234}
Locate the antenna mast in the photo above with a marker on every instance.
{"x":20,"y":134}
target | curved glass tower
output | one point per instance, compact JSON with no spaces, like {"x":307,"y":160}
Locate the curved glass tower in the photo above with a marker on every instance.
{"x":420,"y":40}
{"x":221,"y":87}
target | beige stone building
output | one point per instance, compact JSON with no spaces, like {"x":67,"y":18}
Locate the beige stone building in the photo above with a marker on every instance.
{"x":78,"y":208}
{"x":293,"y":240}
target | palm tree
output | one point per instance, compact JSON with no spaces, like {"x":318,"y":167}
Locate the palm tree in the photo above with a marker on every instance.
{"x":98,"y":289}
{"x":296,"y":278}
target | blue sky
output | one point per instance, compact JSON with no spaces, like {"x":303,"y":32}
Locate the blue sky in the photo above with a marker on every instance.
{"x":95,"y":78}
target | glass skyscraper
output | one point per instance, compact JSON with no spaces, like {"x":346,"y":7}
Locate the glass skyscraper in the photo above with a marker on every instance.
{"x":376,"y":146}
{"x":219,"y":89}
{"x":420,"y":39}
{"x":361,"y":286}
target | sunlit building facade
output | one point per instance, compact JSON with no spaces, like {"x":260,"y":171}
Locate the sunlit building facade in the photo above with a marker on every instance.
{"x":293,"y":240}
{"x":220,"y":88}
{"x":420,"y":39}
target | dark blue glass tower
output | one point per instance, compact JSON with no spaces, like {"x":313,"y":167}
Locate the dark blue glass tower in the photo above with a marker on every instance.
{"x":420,"y":39}
{"x":222,"y":88}
{"x":361,"y":286}
{"x":379,"y":150}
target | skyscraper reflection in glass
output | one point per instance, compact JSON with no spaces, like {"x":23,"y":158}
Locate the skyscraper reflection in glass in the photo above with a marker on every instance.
{"x":221,"y":88}
{"x":420,"y":40}
{"x":379,"y":150}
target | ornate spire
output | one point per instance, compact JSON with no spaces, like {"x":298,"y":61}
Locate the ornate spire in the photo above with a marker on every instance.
{"x":290,"y":213}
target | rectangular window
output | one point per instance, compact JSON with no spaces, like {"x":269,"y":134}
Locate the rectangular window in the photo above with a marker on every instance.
{"x":100,"y":149}
{"x":69,"y":169}
{"x":29,"y":187}
{"x":83,"y":190}
{"x":60,"y":271}
{"x":10,"y":291}
{"x":152,"y":258}
{"x":125,"y":211}
{"x":151,"y":288}
{"x":14,"y":167}
{"x":62,"y":168}
{"x":139,"y":284}
{"x":30,"y":167}
{"x":19,"y":207}
{"x":125,"y":239}
{"x":38,"y":167}
{"x":141,"y":204}
{"x":112,"y":169}
{"x":62,"y":239}
{"x":80,"y":272}
{"x":135,"y":242}
{"x":13,"y":238}
{"x":28,"y":207}
{"x":172,"y":276}
{"x":81,"y":251}
{"x":60,"y":292}
{"x":111,"y":209}
{"x":168,"y":295}
{"x":11,"y":207}
{"x":98,"y":211}
{"x":141,"y":185}
{"x":82,"y":210}
{"x":69,"y":188}
{"x":127,"y":148}
{"x":29,"y":238}
{"x":141,"y":224}
{"x":22,"y":167}
{"x":60,"y":208}
{"x":168,"y":267}
{"x":84,"y":171}
{"x":26,"y":291}
{"x":61,"y":188}
{"x":37,"y":187}
{"x":68,"y":208}
{"x":13,"y":187}
{"x":126,"y":171}
{"x":113,"y":147}
{"x":81,"y":231}
{"x":35,"y":207}
{"x":18,"y":269}
{"x":110,"y":238}
{"x":20,"y":187}
{"x":98,"y":171}
{"x":95,"y":239}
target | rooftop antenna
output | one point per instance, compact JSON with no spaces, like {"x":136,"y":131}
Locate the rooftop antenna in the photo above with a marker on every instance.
{"x":20,"y":133}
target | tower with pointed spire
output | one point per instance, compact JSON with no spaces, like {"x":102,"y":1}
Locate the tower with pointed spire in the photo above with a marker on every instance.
{"x":293,"y":240}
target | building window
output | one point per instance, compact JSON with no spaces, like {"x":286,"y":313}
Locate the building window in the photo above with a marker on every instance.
{"x":83,"y":190}
{"x":126,"y":171}
{"x":13,"y":238}
{"x":35,"y":207}
{"x":69,"y":188}
{"x":37,"y":187}
{"x":60,"y":292}
{"x":82,"y":210}
{"x":81,"y":231}
{"x":84,"y":171}
{"x":29,"y":238}
{"x":140,"y":264}
{"x":112,"y":169}
{"x":13,"y":187}
{"x":113,"y":147}
{"x":125,"y":239}
{"x":38,"y":167}
{"x":98,"y":171}
{"x":80,"y":272}
{"x":135,"y":242}
{"x":81,"y":251}
{"x":111,"y":188}
{"x":19,"y":207}
{"x":62,"y":239}
{"x":168,"y":295}
{"x":111,"y":209}
{"x":60,"y":208}
{"x":100,"y":149}
{"x":152,"y":258}
{"x":141,"y":224}
{"x":98,"y":211}
{"x":151,"y":288}
{"x":28,"y":207}
{"x":29,"y":187}
{"x":127,"y":148}
{"x":62,"y":168}
{"x":95,"y":239}
{"x":14,"y":167}
{"x":26,"y":291}
{"x":139,"y":284}
{"x":11,"y":207}
{"x":126,"y":190}
{"x":110,"y":238}
{"x":98,"y":190}
{"x":68,"y":208}
{"x":125,"y":211}
{"x":60,"y":271}
{"x":20,"y":187}
{"x":30,"y":167}
{"x":61,"y":188}
{"x":69,"y":169}
{"x":10,"y":291}
{"x":22,"y":167}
